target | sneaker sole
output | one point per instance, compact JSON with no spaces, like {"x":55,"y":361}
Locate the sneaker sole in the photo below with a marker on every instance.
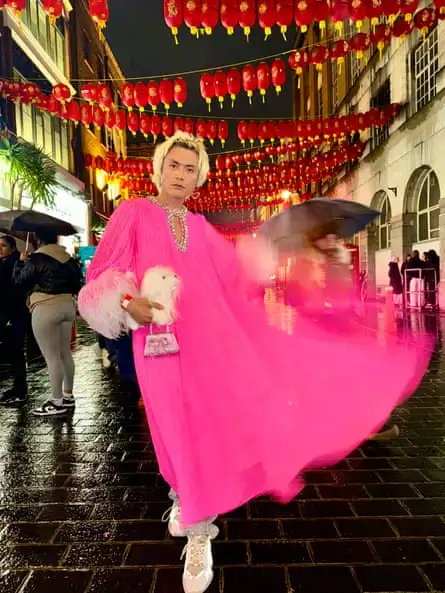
{"x":48,"y":415}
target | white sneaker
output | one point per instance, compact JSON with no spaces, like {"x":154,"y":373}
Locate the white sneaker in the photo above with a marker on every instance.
{"x":390,"y":433}
{"x":173,"y":516}
{"x":106,"y":362}
{"x":198,"y":566}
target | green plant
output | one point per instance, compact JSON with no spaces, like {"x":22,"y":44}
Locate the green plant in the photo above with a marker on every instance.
{"x":26,"y":168}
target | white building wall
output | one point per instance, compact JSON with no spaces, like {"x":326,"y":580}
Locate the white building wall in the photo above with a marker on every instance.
{"x":416,"y":140}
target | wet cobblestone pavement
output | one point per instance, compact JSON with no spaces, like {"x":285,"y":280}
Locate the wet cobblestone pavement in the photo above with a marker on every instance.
{"x":81,"y":502}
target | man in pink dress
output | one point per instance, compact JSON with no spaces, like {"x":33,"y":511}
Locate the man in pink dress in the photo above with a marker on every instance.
{"x":242,"y":409}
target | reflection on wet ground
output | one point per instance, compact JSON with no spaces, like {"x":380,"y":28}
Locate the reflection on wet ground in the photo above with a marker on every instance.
{"x":81,"y":502}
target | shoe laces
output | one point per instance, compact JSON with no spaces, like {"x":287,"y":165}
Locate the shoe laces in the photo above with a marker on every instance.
{"x":195,"y":551}
{"x":171,"y":513}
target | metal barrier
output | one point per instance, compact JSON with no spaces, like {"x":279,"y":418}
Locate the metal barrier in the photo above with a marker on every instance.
{"x":420,"y":288}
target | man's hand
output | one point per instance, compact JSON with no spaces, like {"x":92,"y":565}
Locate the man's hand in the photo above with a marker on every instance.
{"x":142,"y":310}
{"x":24,"y":256}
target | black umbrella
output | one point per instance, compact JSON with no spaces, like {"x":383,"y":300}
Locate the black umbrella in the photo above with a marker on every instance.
{"x":30,"y":221}
{"x":291,"y":228}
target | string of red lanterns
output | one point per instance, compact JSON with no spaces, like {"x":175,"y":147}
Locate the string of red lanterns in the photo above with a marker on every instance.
{"x":202,"y":16}
{"x":250,"y":79}
{"x":381,"y":36}
{"x":99,"y":10}
{"x":61,"y":104}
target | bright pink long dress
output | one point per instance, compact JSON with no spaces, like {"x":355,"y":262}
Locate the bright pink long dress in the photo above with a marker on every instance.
{"x":244,"y":408}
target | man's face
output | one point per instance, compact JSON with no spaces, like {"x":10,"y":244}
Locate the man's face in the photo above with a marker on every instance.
{"x":327,"y":242}
{"x":179,"y":173}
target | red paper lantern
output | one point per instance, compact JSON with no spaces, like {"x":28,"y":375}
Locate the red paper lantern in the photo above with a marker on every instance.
{"x":299,"y":60}
{"x":284,"y":15}
{"x":156,"y":126}
{"x":207,"y":88}
{"x":89,"y":93}
{"x":133,"y":122}
{"x":267,"y":16}
{"x":166,"y":93}
{"x":180,"y":91}
{"x":98,"y":116}
{"x":220,"y":163}
{"x":86,"y":115}
{"x":104,"y":96}
{"x":154,"y":97}
{"x":381,"y":36}
{"x":192,"y":16}
{"x":16,"y":6}
{"x":247,"y":16}
{"x":173,"y":16}
{"x":62,"y":93}
{"x":402,"y":28}
{"x":339,"y":50}
{"x":440,"y":6}
{"x":99,"y":12}
{"x":73,"y":111}
{"x":233,"y":84}
{"x":53,"y":8}
{"x":322,"y":13}
{"x":140,"y":95}
{"x":242,"y":132}
{"x":212,"y":131}
{"x":223,"y":131}
{"x":110,"y":119}
{"x":167,"y":127}
{"x":339,"y":13}
{"x":189,"y":127}
{"x":262,"y":132}
{"x":250,"y":83}
{"x":120,"y":121}
{"x":210,"y":15}
{"x":408,"y":8}
{"x":220,"y":86}
{"x":272,"y":131}
{"x":178,"y":125}
{"x":424,"y":20}
{"x":391,"y":10}
{"x":358,"y":11}
{"x":229,"y":15}
{"x":361,"y":43}
{"x":252,"y":132}
{"x":278,"y":72}
{"x":304,"y":14}
{"x":127,"y":94}
{"x":201,"y":129}
{"x":263,"y":78}
{"x":32,"y":91}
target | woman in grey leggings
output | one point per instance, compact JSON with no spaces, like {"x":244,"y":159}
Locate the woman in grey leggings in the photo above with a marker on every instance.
{"x":53,"y":278}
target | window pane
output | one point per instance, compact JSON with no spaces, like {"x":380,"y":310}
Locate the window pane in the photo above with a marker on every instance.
{"x":434,"y":190}
{"x":423,"y":227}
{"x":65,"y":148}
{"x":27,"y":129}
{"x":383,"y":237}
{"x":40,"y":139}
{"x":48,"y":127}
{"x":423,"y":198}
{"x":434,"y":219}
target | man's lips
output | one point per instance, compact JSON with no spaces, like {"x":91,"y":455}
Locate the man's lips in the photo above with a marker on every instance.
{"x":177,"y":186}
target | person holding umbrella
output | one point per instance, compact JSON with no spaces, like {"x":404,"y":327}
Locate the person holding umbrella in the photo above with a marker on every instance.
{"x":52,"y":278}
{"x":12,"y":312}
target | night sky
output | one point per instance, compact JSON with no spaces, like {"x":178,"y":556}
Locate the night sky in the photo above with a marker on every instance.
{"x":144,"y":47}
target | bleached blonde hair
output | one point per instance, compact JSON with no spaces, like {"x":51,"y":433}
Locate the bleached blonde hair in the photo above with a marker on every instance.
{"x":183,"y":140}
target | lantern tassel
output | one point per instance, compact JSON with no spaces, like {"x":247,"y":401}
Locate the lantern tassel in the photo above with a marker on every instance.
{"x":283,"y":32}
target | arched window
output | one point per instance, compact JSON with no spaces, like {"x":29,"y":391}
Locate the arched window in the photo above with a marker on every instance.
{"x":428,"y":208}
{"x":383,"y":222}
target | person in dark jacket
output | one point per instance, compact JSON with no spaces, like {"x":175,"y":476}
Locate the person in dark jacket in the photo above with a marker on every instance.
{"x":414,"y":276}
{"x":12,"y":314}
{"x":53,"y":278}
{"x":395,"y":281}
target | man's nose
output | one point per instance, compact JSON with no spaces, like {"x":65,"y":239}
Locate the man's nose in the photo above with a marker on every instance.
{"x":179,"y":173}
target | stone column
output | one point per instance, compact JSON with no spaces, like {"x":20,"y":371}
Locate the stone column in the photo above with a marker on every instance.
{"x":372,"y":246}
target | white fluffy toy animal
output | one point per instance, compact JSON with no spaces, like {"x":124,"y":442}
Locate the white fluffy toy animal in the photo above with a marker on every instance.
{"x":160,"y":285}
